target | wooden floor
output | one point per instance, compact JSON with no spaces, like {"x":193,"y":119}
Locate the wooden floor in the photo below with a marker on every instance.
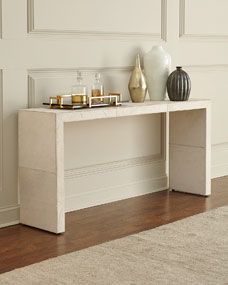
{"x":22,"y":245}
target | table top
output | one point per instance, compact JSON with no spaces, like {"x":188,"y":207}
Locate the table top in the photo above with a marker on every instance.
{"x":126,"y":109}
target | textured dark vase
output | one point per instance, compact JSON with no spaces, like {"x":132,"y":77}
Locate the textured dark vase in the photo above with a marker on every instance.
{"x":178,"y":85}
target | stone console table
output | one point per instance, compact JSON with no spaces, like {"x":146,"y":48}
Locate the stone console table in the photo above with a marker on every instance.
{"x":41,"y":153}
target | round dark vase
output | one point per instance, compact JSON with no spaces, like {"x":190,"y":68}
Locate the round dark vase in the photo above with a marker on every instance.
{"x":178,"y":85}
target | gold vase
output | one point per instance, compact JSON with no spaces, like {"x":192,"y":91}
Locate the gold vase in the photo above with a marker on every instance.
{"x":137,"y":84}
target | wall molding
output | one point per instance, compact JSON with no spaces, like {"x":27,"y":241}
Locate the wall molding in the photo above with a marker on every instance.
{"x":207,"y":67}
{"x":1,"y":13}
{"x":31,"y":92}
{"x":155,"y":160}
{"x":182,"y":28}
{"x":9,"y":215}
{"x":1,"y":130}
{"x":32,"y":30}
{"x":164,"y":20}
{"x":59,"y":72}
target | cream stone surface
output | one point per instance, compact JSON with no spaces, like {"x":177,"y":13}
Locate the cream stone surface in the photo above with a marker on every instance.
{"x":183,"y":124}
{"x":41,"y":171}
{"x":127,"y":109}
{"x":38,"y":198}
{"x":187,"y":170}
{"x":41,"y":156}
{"x":31,"y":141}
{"x":37,"y":185}
{"x":190,"y":148}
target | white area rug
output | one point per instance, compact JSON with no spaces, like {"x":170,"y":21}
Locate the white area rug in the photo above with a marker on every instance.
{"x":190,"y":251}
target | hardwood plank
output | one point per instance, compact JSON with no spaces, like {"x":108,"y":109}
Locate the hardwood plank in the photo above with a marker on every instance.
{"x":21,"y":245}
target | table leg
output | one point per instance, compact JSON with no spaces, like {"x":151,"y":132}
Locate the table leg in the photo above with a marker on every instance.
{"x":41,"y":171}
{"x":190,"y":151}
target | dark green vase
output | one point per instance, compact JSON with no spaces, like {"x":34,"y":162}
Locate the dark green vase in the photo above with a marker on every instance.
{"x":179,"y":85}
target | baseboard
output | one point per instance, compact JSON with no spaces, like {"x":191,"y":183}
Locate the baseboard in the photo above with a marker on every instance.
{"x":219,"y":160}
{"x":9,"y":215}
{"x":219,"y":170}
{"x":13,"y":223}
{"x":116,"y":193}
{"x":108,"y":182}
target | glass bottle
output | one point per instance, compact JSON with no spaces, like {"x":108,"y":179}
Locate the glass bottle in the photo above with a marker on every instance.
{"x":79,"y":93}
{"x":97,"y":88}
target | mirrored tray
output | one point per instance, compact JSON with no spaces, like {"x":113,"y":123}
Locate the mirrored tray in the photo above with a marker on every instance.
{"x":62,"y":102}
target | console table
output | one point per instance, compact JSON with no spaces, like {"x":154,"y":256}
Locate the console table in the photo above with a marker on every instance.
{"x":41,"y":153}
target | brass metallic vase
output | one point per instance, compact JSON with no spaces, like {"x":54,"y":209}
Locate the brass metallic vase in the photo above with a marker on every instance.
{"x":137,"y":84}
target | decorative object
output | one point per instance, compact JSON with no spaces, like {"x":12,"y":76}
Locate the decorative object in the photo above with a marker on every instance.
{"x":137,"y":84}
{"x":178,"y":85}
{"x":157,"y":65}
{"x":79,"y":91}
{"x":62,"y":101}
{"x":97,"y":89}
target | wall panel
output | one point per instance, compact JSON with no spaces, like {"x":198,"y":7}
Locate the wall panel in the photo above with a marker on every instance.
{"x":204,"y":19}
{"x":101,"y":18}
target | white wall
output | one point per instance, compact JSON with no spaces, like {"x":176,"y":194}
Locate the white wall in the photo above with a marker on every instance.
{"x":44,"y":42}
